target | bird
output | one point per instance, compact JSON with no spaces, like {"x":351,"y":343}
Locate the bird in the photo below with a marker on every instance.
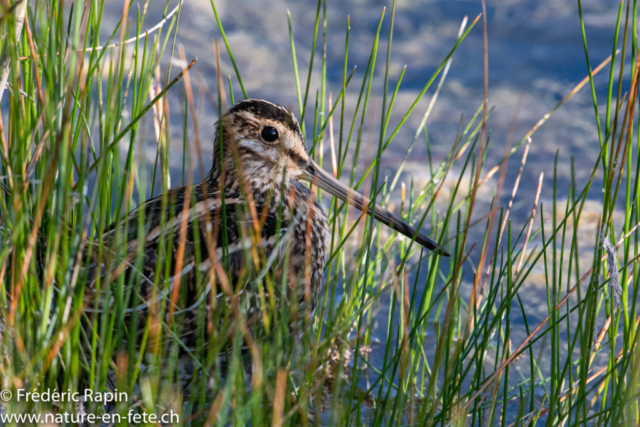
{"x":256,"y":202}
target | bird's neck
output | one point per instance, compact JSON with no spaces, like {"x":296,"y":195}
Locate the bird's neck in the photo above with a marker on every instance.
{"x":237,"y":182}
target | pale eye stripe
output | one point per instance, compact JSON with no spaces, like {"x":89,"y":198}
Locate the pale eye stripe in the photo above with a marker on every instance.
{"x":252,"y":146}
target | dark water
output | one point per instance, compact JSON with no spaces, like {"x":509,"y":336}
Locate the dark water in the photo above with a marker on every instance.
{"x":535,"y":52}
{"x":536,"y":56}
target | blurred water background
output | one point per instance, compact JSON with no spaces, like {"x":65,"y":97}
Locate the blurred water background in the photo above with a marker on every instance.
{"x":535,"y":52}
{"x":536,"y":56}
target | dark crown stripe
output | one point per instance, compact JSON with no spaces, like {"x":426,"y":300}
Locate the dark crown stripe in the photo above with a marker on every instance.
{"x":267,"y":110}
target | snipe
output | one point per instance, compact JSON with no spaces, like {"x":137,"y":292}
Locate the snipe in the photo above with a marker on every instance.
{"x":264,"y":208}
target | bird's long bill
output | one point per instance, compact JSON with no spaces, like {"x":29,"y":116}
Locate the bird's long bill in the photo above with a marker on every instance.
{"x":316,"y":175}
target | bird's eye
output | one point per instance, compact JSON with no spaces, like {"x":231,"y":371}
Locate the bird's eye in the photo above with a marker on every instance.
{"x":269,"y":134}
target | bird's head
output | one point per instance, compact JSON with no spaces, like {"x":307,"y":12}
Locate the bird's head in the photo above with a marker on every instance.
{"x":262,"y":143}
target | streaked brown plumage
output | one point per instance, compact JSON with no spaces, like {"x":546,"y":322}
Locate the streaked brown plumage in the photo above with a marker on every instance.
{"x":263,"y":160}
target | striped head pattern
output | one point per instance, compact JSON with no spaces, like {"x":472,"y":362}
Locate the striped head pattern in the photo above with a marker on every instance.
{"x":263,"y":142}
